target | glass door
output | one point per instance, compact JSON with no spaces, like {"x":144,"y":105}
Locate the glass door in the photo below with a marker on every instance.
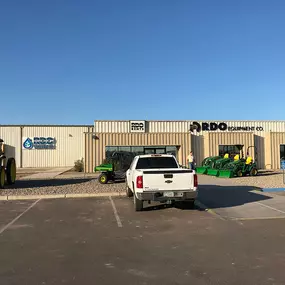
{"x":154,"y":150}
{"x":160,"y":150}
{"x":149,"y":150}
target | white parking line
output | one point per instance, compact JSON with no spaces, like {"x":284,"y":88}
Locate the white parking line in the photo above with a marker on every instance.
{"x":18,"y":217}
{"x":116,"y":213}
{"x":270,"y":207}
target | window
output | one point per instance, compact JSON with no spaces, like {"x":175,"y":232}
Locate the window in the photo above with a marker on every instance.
{"x":137,"y":150}
{"x":232,"y":150}
{"x":282,"y":151}
{"x":156,"y":162}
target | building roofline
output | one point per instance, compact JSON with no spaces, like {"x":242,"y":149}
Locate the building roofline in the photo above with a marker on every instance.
{"x":90,"y":126}
{"x":185,"y":121}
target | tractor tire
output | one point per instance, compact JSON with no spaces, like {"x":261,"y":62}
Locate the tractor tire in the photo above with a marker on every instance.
{"x":11,"y":171}
{"x":253,"y":172}
{"x":129,"y":192}
{"x":103,"y":178}
{"x":239,"y":173}
{"x":2,"y":177}
{"x":138,"y":204}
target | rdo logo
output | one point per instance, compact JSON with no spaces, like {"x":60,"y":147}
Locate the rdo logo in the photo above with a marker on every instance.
{"x":39,"y":143}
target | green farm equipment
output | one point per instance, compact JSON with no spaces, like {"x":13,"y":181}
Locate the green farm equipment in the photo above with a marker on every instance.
{"x":240,"y":167}
{"x":7,"y":166}
{"x":222,"y":163}
{"x":206,"y":164}
{"x":114,"y":167}
{"x":231,"y":165}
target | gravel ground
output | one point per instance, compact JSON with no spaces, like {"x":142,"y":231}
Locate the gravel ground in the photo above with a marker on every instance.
{"x":61,"y":185}
{"x":76,"y":183}
{"x":265,"y":179}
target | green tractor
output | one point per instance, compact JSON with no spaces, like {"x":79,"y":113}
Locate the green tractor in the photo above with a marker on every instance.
{"x":224,"y":161}
{"x":240,"y":167}
{"x":114,"y":167}
{"x":7,"y":167}
{"x":206,"y":164}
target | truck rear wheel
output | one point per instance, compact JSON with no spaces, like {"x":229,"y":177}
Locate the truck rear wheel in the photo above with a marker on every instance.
{"x":2,"y":177}
{"x":129,"y":192}
{"x":138,"y":203}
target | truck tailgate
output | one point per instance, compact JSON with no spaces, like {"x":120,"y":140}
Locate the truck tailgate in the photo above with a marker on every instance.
{"x":168,"y":180}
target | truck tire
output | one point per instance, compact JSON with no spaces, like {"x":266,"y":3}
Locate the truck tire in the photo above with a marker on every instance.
{"x":129,"y":192}
{"x":11,"y":171}
{"x":138,"y":204}
{"x":2,"y":177}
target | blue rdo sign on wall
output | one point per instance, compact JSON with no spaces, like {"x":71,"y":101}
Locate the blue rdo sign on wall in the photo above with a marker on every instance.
{"x":39,"y":143}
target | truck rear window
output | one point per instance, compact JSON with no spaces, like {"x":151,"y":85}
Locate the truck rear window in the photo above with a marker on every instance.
{"x":156,"y":162}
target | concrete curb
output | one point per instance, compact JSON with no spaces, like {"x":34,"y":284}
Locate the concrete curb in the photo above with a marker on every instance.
{"x":60,"y":196}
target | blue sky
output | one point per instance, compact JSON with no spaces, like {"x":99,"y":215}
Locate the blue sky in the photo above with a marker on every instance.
{"x":72,"y":62}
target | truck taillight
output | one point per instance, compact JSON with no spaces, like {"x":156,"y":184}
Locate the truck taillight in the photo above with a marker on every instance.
{"x":139,"y":182}
{"x":195,"y":180}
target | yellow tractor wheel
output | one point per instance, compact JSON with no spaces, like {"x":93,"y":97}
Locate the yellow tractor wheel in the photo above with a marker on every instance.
{"x":11,"y":171}
{"x":239,"y":173}
{"x":2,"y":177}
{"x":253,"y":172}
{"x":103,"y":179}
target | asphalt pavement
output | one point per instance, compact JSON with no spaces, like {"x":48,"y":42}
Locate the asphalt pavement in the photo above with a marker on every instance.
{"x":104,"y":241}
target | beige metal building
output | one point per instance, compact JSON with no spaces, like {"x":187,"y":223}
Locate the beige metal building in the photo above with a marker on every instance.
{"x":45,"y":145}
{"x":264,"y":140}
{"x":56,"y":145}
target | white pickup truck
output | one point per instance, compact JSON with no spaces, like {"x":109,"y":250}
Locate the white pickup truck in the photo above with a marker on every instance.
{"x":159,"y":177}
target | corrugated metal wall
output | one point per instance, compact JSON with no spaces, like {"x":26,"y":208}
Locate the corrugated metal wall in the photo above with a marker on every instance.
{"x":12,"y":139}
{"x":184,"y":126}
{"x":70,"y":146}
{"x":96,"y":147}
{"x":198,"y":148}
{"x":276,"y":140}
{"x":213,"y":140}
{"x":259,"y":143}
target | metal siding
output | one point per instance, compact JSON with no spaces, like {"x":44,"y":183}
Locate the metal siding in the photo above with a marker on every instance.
{"x":12,"y":141}
{"x":276,"y":140}
{"x":216,"y":139}
{"x":259,"y":143}
{"x":128,"y":139}
{"x":198,"y":148}
{"x":268,"y":152}
{"x":273,"y":126}
{"x":111,"y":126}
{"x":183,"y":126}
{"x":68,"y":148}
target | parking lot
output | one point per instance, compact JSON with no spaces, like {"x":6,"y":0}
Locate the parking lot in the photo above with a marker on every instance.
{"x":237,"y":239}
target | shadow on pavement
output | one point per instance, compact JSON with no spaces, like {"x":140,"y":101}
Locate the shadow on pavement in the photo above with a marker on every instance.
{"x":164,"y":206}
{"x":215,"y":196}
{"x":22,"y":184}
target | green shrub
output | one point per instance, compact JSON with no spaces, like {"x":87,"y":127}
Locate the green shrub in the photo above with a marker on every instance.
{"x":79,"y":165}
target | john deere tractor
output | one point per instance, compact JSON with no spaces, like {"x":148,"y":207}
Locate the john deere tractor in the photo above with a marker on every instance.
{"x":7,"y":167}
{"x":240,"y":166}
{"x":114,"y":167}
{"x":207,"y":164}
